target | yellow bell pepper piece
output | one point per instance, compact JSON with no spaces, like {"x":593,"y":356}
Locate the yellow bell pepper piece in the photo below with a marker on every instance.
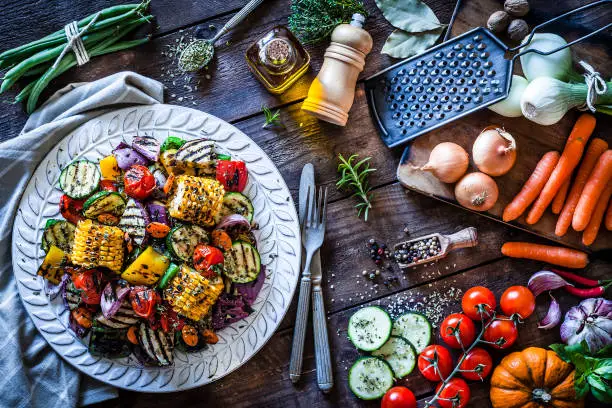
{"x":109,"y":168}
{"x":147,"y":269}
{"x":52,"y":267}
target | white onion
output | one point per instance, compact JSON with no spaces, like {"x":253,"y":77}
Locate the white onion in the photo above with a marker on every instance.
{"x":477,"y":191}
{"x":494,"y":151}
{"x":511,"y":106}
{"x":447,"y":162}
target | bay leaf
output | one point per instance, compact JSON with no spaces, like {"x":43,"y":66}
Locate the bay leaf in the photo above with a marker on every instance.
{"x":409,"y":15}
{"x":401,"y":44}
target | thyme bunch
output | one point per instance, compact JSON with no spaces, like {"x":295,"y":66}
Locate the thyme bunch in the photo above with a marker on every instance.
{"x":355,"y":177}
{"x":314,"y":20}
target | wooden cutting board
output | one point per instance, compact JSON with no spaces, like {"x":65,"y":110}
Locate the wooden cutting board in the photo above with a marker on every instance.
{"x":533,"y":140}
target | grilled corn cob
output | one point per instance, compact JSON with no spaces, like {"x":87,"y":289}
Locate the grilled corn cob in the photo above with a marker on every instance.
{"x":196,"y":199}
{"x":191,"y":294}
{"x":97,"y":245}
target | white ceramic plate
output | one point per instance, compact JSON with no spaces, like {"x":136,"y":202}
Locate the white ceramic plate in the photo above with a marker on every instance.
{"x":278,"y":241}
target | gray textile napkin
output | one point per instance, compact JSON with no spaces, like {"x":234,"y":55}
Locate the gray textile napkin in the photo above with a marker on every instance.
{"x":33,"y":375}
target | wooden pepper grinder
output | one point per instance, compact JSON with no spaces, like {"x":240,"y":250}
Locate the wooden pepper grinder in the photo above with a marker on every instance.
{"x":331,"y":94}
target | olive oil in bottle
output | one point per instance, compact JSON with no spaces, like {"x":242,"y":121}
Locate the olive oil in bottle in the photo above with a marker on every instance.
{"x":277,"y":59}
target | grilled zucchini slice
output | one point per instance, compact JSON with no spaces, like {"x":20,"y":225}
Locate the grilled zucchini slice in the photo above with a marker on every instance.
{"x":235,"y":203}
{"x":183,"y":239}
{"x":59,"y":233}
{"x":104,"y":202}
{"x":79,"y":179}
{"x":242,"y":262}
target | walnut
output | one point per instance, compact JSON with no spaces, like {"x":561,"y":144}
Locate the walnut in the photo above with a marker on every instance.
{"x":498,"y":21}
{"x":517,"y":30}
{"x":517,"y":8}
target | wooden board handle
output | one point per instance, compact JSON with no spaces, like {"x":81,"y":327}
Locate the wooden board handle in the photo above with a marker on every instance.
{"x":466,"y":238}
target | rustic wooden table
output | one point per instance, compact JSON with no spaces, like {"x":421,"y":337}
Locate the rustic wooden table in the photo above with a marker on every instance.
{"x":230,"y":92}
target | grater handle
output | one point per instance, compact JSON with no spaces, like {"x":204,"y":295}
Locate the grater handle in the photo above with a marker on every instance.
{"x":536,"y":28}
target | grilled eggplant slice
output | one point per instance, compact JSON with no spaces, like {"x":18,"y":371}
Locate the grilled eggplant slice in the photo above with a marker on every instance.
{"x":157,"y":344}
{"x":111,"y":343}
{"x":59,"y":233}
{"x":124,"y":318}
{"x":134,"y":221}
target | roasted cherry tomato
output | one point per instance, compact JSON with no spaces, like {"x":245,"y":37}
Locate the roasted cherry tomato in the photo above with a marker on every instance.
{"x":232,"y":174}
{"x":398,"y":397}
{"x":71,"y":209}
{"x":457,"y":330}
{"x":477,"y":364}
{"x":170,"y":320}
{"x":144,"y":300}
{"x":108,"y":185}
{"x":502,"y":332}
{"x":478,"y":303}
{"x":90,"y":283}
{"x":517,"y":300}
{"x":138,"y":182}
{"x":190,"y":335}
{"x":435,"y":363}
{"x":208,"y":260}
{"x":455,"y":394}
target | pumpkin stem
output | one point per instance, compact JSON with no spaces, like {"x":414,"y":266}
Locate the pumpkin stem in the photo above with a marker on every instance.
{"x":541,"y":395}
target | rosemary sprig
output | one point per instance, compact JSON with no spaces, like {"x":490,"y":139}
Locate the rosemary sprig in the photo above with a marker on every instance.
{"x":271,"y":118}
{"x":314,"y":20}
{"x":355,"y":176}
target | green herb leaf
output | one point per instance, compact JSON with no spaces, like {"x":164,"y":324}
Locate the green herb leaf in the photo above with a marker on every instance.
{"x":581,"y":386}
{"x":560,"y":349}
{"x":401,"y":44}
{"x":355,"y":176}
{"x":604,"y":395}
{"x":272,"y":119}
{"x":412,"y":16}
{"x":604,"y":368}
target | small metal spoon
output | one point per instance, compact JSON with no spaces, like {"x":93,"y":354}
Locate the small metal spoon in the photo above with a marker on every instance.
{"x":198,"y":54}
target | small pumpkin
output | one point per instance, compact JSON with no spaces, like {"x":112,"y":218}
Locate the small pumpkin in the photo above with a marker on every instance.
{"x":534,"y":378}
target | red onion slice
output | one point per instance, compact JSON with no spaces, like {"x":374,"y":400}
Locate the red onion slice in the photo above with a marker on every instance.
{"x":127,"y":157}
{"x":234,"y":220}
{"x":147,"y":146}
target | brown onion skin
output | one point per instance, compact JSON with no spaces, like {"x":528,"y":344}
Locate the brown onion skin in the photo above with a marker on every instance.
{"x":497,"y":156}
{"x":448,"y":162}
{"x":477,"y":191}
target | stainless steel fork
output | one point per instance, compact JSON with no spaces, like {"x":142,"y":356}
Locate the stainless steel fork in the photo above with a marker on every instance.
{"x":313,"y":232}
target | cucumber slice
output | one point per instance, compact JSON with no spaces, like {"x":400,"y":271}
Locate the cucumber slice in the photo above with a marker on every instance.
{"x":369,"y":328}
{"x":370,"y":378}
{"x":183,"y":239}
{"x":242,"y":263}
{"x":79,"y":179}
{"x":59,"y":233}
{"x":415,"y":328}
{"x":400,"y":355}
{"x":235,"y":203}
{"x":104,"y":202}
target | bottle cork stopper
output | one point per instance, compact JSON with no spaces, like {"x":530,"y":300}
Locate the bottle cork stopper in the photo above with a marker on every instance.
{"x":278,"y":51}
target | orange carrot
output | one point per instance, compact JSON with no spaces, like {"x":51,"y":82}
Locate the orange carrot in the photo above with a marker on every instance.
{"x":595,"y":149}
{"x":590,"y":232}
{"x":569,"y":258}
{"x":608,"y":221}
{"x":559,"y":200}
{"x":132,"y":335}
{"x":532,"y":186}
{"x":568,"y":161}
{"x":221,"y":240}
{"x":597,"y":182}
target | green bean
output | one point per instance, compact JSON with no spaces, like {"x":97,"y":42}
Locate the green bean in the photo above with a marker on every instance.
{"x":24,"y":92}
{"x":13,"y":75}
{"x":36,"y":71}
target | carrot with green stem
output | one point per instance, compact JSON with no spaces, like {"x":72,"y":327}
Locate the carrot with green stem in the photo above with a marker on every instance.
{"x":592,"y":229}
{"x":595,"y":149}
{"x":574,"y":148}
{"x":532,"y":186}
{"x":569,"y":258}
{"x":559,"y":200}
{"x":593,"y":189}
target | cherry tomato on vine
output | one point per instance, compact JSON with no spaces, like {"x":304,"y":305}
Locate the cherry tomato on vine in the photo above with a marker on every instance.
{"x":455,"y":394}
{"x":398,"y":397}
{"x":232,"y":174}
{"x":144,"y":300}
{"x":435,"y":363}
{"x":502,"y":331}
{"x":90,"y":283}
{"x":457,"y":330}
{"x":476,"y":365}
{"x":476,"y":300}
{"x":517,"y":300}
{"x":138,"y":182}
{"x":71,"y":209}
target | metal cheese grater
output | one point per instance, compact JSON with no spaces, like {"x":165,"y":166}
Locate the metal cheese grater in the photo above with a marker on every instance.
{"x":449,"y":81}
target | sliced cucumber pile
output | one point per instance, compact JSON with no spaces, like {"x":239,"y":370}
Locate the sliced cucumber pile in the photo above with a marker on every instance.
{"x":183,"y":239}
{"x":415,"y":328}
{"x":369,"y":328}
{"x":370,"y":378}
{"x":59,"y":233}
{"x":242,"y":263}
{"x":400,"y":355}
{"x":104,"y":202}
{"x":235,"y":203}
{"x":79,"y":179}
